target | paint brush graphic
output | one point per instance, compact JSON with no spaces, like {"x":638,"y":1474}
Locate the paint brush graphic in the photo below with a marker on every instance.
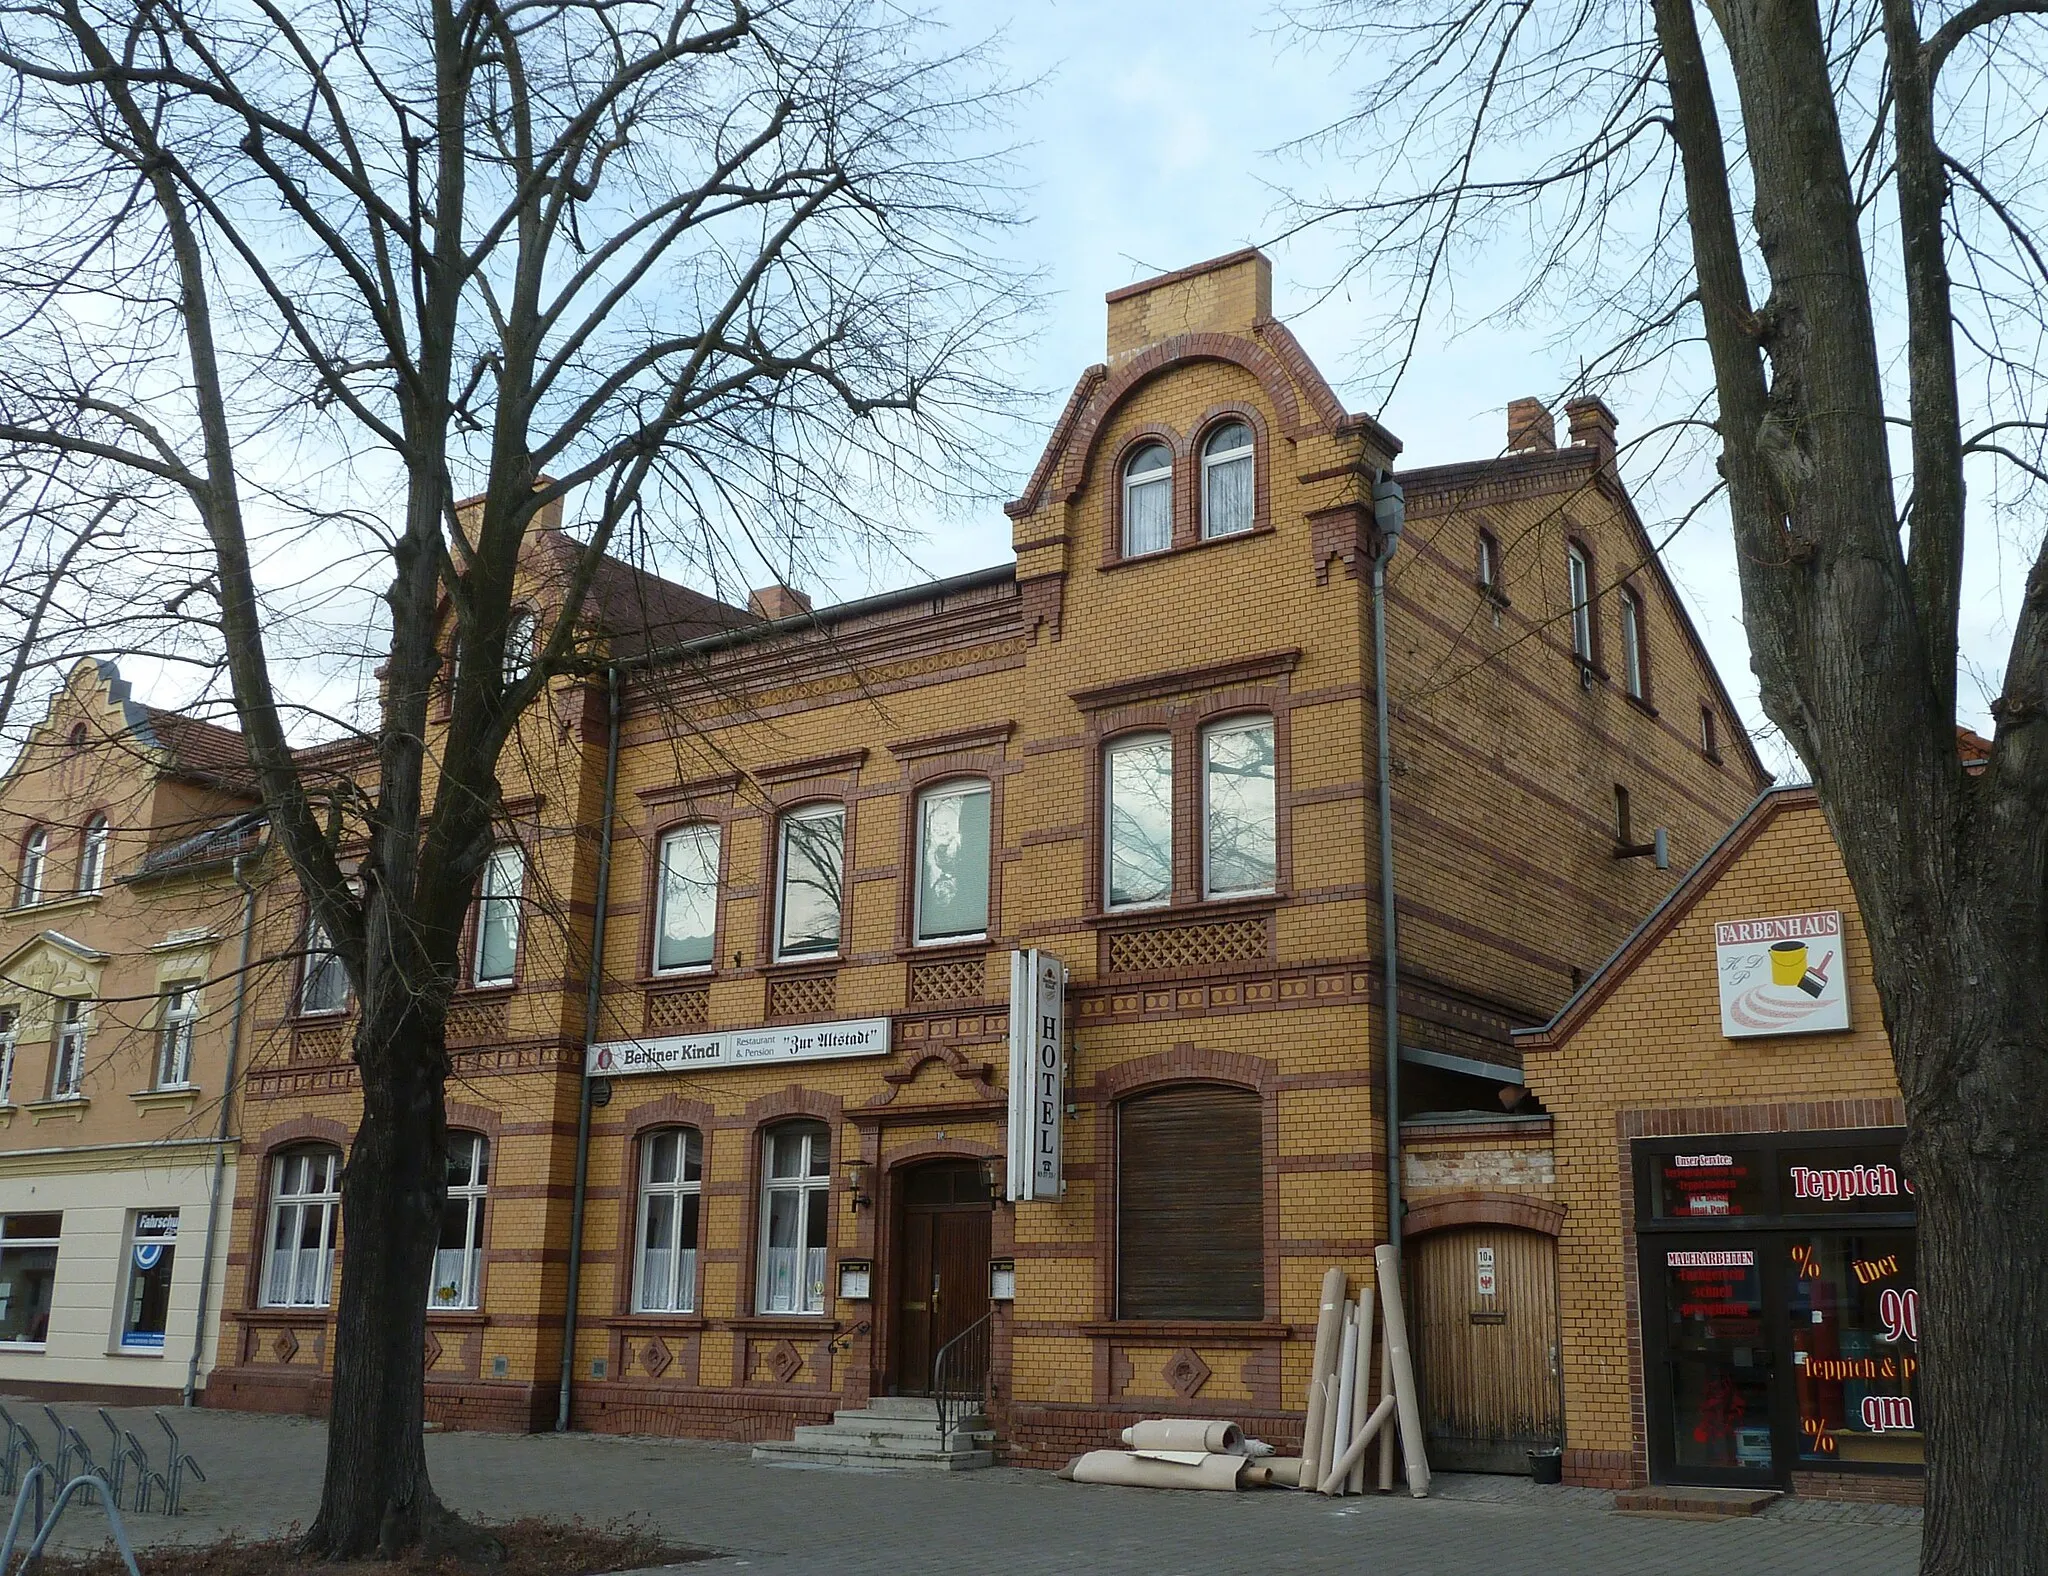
{"x":1816,"y":980}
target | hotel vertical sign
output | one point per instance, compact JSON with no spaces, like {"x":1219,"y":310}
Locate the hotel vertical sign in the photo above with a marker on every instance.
{"x":1038,"y":992}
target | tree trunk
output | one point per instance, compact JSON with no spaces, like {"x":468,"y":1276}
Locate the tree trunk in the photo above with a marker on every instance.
{"x":377,"y":1497}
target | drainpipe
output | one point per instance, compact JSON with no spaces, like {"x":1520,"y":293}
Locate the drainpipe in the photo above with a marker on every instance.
{"x":227,"y":1106}
{"x":1389,"y":513}
{"x":592,"y":1000}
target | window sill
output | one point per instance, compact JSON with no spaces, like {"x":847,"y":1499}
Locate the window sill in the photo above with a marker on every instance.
{"x":1191,"y":1329}
{"x":1492,"y":595}
{"x":695,"y":974}
{"x":320,"y":1014}
{"x":821,"y":960}
{"x":135,"y":1351}
{"x":65,"y":1108}
{"x":1175,"y":550}
{"x":656,"y":1322}
{"x":1642,"y":705}
{"x":1204,"y":908}
{"x":272,"y":1313}
{"x":66,"y":904}
{"x":952,"y":946}
{"x":465,"y":1318}
{"x":477,"y":988}
{"x":785,"y":1323}
{"x":37,"y":1347}
{"x":180,"y":1098}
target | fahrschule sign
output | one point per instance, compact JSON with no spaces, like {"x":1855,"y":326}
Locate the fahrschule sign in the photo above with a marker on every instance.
{"x":675,"y":1053}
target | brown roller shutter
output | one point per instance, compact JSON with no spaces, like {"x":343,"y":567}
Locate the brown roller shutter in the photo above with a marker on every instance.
{"x":1190,"y":1206}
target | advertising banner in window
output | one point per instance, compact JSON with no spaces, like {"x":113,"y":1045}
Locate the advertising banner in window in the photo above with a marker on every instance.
{"x":807,"y":1042}
{"x":1038,"y":990}
{"x":151,"y":1256}
{"x":1784,"y":975}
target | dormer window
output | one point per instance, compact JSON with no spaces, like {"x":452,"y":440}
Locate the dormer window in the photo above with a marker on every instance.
{"x":1227,"y":481}
{"x":1148,"y":501}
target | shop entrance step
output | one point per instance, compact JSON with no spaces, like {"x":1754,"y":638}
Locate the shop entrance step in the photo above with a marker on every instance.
{"x":1693,"y":1504}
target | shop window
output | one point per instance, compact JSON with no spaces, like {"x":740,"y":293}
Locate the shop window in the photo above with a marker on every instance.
{"x":1190,"y":1205}
{"x":1579,"y":578}
{"x":305,"y":1198}
{"x":67,"y":1067}
{"x":323,"y":982}
{"x":671,"y":1190}
{"x":688,"y":902}
{"x":1148,"y":501}
{"x":28,"y":1275}
{"x":1239,"y":840}
{"x":1718,"y":1355}
{"x":1709,"y":1183}
{"x":180,"y":1020}
{"x":35,"y":858}
{"x":146,"y":1303}
{"x":1227,"y":491}
{"x":796,"y":1210}
{"x":1632,"y":643}
{"x":1138,"y":821}
{"x":953,"y":862}
{"x":10,"y":1035}
{"x":460,"y":1254}
{"x":1854,"y":1307}
{"x":497,"y":915}
{"x":92,"y":855}
{"x":811,"y":882}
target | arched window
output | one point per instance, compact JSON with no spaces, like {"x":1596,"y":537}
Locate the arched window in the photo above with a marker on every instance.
{"x":519,"y":630}
{"x":460,"y":1254}
{"x":92,"y":855}
{"x":686,"y":916}
{"x":1227,"y":480}
{"x":76,"y":741}
{"x":952,"y":861}
{"x":671,"y":1190}
{"x":1191,"y":1208}
{"x":796,"y":1210}
{"x":35,"y":857}
{"x":1240,"y":836}
{"x":811,"y":884}
{"x":305,"y":1198}
{"x":1148,"y":501}
{"x":323,"y":981}
{"x":1138,"y":821}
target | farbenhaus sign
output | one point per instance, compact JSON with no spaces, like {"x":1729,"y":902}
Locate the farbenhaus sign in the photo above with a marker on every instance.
{"x":1784,"y":975}
{"x":804,"y":1042}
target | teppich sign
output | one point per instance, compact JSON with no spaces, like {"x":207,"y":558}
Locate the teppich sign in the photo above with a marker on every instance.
{"x":1784,"y":975}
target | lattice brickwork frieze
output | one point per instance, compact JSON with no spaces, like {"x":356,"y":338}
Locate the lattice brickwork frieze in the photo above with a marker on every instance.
{"x":471,"y":1022}
{"x":947,"y":979}
{"x":677,"y":1011}
{"x":802,"y":996}
{"x":1171,"y":947}
{"x":322,"y":1042}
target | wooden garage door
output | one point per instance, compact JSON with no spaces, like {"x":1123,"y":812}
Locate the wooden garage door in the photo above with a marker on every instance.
{"x":1487,"y":1364}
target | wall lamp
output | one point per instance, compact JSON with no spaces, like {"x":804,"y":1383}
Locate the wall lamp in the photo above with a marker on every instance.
{"x":859,"y":1175}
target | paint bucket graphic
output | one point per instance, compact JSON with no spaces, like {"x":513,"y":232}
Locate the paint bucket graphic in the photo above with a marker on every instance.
{"x":1788,"y":962}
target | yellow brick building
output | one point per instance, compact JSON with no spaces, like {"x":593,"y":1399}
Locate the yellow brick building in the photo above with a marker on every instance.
{"x":1735,"y":1261}
{"x":1146,"y":749}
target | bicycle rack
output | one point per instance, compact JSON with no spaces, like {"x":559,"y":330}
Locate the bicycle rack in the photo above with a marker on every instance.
{"x":37,"y":1475}
{"x":71,"y":1448}
{"x":20,"y":1443}
{"x":172,"y":1478}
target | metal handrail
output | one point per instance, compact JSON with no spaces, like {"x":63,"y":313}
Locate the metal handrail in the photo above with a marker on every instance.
{"x":960,"y":1376}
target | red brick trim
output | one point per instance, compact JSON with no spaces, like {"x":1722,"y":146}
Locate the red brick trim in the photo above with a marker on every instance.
{"x":1185,"y":1063}
{"x":1439,"y":1212}
{"x":1062,"y":434}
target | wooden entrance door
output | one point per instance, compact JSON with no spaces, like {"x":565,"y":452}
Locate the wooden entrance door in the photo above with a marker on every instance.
{"x":941,"y":1288}
{"x":1486,"y":1363}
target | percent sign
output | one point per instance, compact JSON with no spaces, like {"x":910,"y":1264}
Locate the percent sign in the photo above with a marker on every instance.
{"x":1804,"y":1261}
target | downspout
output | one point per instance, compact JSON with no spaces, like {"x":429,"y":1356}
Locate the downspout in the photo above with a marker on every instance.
{"x":1389,"y":515}
{"x":592,"y":1001}
{"x":227,"y":1107}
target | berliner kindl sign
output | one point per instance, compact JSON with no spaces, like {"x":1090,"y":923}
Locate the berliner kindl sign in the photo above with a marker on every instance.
{"x":1783,"y":975}
{"x":676,"y":1053}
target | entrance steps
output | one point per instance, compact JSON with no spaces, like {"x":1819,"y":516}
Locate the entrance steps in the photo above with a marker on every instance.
{"x":891,"y":1433}
{"x":1693,"y":1504}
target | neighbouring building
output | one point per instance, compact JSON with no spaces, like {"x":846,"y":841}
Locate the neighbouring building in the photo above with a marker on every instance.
{"x":1736,"y":1234}
{"x":1145,"y":748}
{"x":134,"y":849}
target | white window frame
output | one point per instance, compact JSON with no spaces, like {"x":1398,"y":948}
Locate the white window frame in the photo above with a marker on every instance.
{"x":824,"y":810}
{"x":10,"y":1038}
{"x":495,"y":905}
{"x":35,"y":862}
{"x":471,"y":1195}
{"x":1632,"y":643}
{"x":1213,"y":460}
{"x":1242,"y":724}
{"x":67,"y":1066}
{"x":175,"y":1033}
{"x":1109,"y":754}
{"x":318,"y":958}
{"x":519,"y":632}
{"x":958,"y":788}
{"x":814,"y":1192}
{"x":680,"y":1293}
{"x":1579,"y":576}
{"x":323,"y":1204}
{"x":1132,"y":480}
{"x":92,"y":856}
{"x":674,"y":838}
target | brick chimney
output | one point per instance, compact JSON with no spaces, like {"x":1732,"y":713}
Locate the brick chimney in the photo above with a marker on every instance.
{"x":777,"y":601}
{"x":1592,"y":425}
{"x":1530,"y":426}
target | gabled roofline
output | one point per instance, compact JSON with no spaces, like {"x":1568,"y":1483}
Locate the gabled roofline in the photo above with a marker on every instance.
{"x":1661,"y":920}
{"x":62,"y":942}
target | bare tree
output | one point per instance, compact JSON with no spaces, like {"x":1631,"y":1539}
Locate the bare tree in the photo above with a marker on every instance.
{"x":319,"y":268}
{"x":1854,"y":243}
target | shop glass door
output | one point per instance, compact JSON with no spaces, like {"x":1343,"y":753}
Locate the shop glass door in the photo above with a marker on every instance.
{"x":1717,"y":1346}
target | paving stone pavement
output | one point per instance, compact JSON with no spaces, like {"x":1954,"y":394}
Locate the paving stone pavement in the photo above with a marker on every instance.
{"x":263,"y":1477}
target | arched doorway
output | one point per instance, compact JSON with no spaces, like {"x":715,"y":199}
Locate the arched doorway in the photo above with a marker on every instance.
{"x":1485,"y":1339}
{"x":941,"y":1281}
